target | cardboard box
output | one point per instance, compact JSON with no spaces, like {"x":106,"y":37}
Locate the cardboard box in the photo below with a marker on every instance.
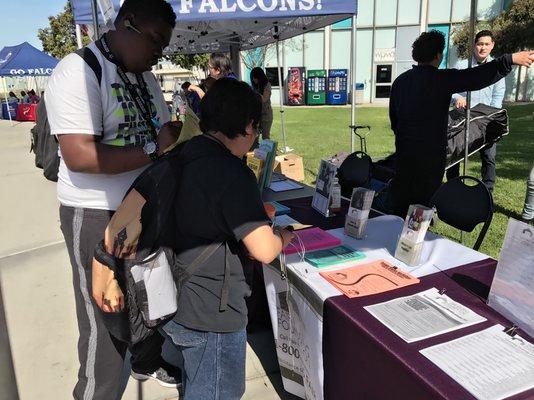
{"x":290,"y":165}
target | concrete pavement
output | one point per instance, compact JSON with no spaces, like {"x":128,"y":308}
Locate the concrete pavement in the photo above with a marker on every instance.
{"x":35,"y":275}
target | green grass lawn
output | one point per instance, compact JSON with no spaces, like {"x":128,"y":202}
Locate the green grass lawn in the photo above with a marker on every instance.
{"x":316,"y":133}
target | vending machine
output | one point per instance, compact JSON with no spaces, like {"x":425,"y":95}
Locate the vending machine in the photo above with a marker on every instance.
{"x":295,"y":86}
{"x":316,"y":87}
{"x":337,"y":87}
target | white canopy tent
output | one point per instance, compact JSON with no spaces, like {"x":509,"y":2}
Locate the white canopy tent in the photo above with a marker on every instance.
{"x":205,"y":26}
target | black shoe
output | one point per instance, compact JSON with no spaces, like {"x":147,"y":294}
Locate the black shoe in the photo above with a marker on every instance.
{"x":166,"y":375}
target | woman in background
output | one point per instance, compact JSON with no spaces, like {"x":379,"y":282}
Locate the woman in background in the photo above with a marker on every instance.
{"x":262,"y":86}
{"x":12,"y":98}
{"x":219,"y":66}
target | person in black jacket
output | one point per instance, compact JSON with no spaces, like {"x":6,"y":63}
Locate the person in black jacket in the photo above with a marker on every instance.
{"x":418,"y":110}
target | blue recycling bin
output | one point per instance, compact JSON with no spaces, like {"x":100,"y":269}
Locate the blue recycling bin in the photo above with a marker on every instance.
{"x":12,"y":110}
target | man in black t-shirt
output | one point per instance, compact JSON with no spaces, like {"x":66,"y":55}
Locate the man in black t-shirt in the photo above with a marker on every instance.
{"x":218,"y":200}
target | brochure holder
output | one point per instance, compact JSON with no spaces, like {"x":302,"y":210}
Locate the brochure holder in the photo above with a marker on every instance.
{"x":410,"y":245}
{"x":360,"y":205}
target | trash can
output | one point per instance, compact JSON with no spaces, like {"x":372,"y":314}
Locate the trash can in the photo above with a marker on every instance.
{"x":360,"y":89}
{"x":12,"y":110}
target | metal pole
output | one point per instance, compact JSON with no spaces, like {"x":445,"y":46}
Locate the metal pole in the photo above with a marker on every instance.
{"x":94,"y":10}
{"x":472,"y":20}
{"x":8,"y":380}
{"x":352,"y":81}
{"x":281,"y":86}
{"x":7,"y":102}
{"x":79,"y":41}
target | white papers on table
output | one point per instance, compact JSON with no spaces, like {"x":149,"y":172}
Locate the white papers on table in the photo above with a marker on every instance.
{"x":490,"y":364}
{"x":423,"y":315}
{"x":512,"y":289}
{"x":282,"y":186}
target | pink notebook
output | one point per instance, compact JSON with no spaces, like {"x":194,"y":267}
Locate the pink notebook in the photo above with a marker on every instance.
{"x":313,"y":239}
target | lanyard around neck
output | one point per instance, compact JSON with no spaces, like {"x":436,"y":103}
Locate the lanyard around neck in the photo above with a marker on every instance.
{"x":142,"y":101}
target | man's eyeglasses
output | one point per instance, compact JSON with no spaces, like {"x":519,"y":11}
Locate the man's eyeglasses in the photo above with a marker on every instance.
{"x":156,"y":44}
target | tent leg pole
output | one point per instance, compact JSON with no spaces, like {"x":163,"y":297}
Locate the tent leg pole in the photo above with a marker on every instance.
{"x":79,"y":40}
{"x":94,"y":10}
{"x":285,"y":149}
{"x":352,"y":81}
{"x":7,"y":102}
{"x":472,"y":21}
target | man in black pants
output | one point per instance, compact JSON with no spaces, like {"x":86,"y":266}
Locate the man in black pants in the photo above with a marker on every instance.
{"x":418,"y":111}
{"x":492,"y":95}
{"x":111,"y":120}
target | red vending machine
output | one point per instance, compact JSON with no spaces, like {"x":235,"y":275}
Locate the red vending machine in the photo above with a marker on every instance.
{"x":296,"y":78}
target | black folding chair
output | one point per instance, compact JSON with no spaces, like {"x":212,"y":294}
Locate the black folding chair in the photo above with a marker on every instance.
{"x":354,"y":171}
{"x":464,"y":207}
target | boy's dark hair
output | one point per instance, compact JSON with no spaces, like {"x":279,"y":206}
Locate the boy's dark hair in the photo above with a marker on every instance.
{"x":186,"y":85}
{"x":427,"y":46}
{"x":221,"y":62}
{"x":484,"y":33}
{"x":148,"y":10}
{"x":228,"y":107}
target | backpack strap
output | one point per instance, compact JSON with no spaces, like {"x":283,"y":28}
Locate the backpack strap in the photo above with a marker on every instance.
{"x":225,"y":289}
{"x":90,"y":59}
{"x":203,"y":257}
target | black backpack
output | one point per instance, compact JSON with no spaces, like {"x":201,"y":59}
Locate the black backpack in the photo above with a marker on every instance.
{"x":43,"y":144}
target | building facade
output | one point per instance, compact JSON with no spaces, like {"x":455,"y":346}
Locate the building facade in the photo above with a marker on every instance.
{"x":386,"y":30}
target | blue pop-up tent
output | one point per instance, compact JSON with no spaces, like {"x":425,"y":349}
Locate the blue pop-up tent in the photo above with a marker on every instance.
{"x":205,"y":26}
{"x":24,"y":60}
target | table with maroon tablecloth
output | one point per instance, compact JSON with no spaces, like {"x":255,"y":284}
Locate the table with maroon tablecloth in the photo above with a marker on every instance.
{"x":363,"y":359}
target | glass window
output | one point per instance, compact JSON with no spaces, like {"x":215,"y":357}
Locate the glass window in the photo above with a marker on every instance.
{"x":364,"y":60}
{"x":346,"y":23}
{"x":272,"y":75}
{"x":439,"y":11}
{"x":461,"y":10}
{"x":445,"y":30}
{"x":340,"y":50}
{"x":385,"y":38}
{"x":409,"y":12}
{"x":365,"y":13}
{"x":406,"y":35}
{"x":293,"y":52}
{"x":488,"y":9}
{"x":386,"y":12}
{"x":314,"y":50}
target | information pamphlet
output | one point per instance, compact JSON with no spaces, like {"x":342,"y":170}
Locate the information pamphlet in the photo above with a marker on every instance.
{"x":423,"y":315}
{"x":336,"y":255}
{"x":410,"y":245}
{"x":490,"y":364}
{"x":266,"y":152}
{"x":280,"y":208}
{"x":323,"y":187}
{"x":284,"y":186}
{"x":366,"y":279}
{"x":360,"y":205}
{"x":311,"y":239}
{"x":512,"y":290}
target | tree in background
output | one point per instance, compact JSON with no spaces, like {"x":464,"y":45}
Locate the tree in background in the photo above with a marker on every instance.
{"x":190,"y":61}
{"x":513,"y":30}
{"x":59,"y":39}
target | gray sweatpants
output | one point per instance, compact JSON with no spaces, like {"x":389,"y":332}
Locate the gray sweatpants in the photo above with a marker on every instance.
{"x":101,"y":356}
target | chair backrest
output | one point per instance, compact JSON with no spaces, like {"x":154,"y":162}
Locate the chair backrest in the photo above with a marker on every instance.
{"x":463,"y":206}
{"x":355,"y":171}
